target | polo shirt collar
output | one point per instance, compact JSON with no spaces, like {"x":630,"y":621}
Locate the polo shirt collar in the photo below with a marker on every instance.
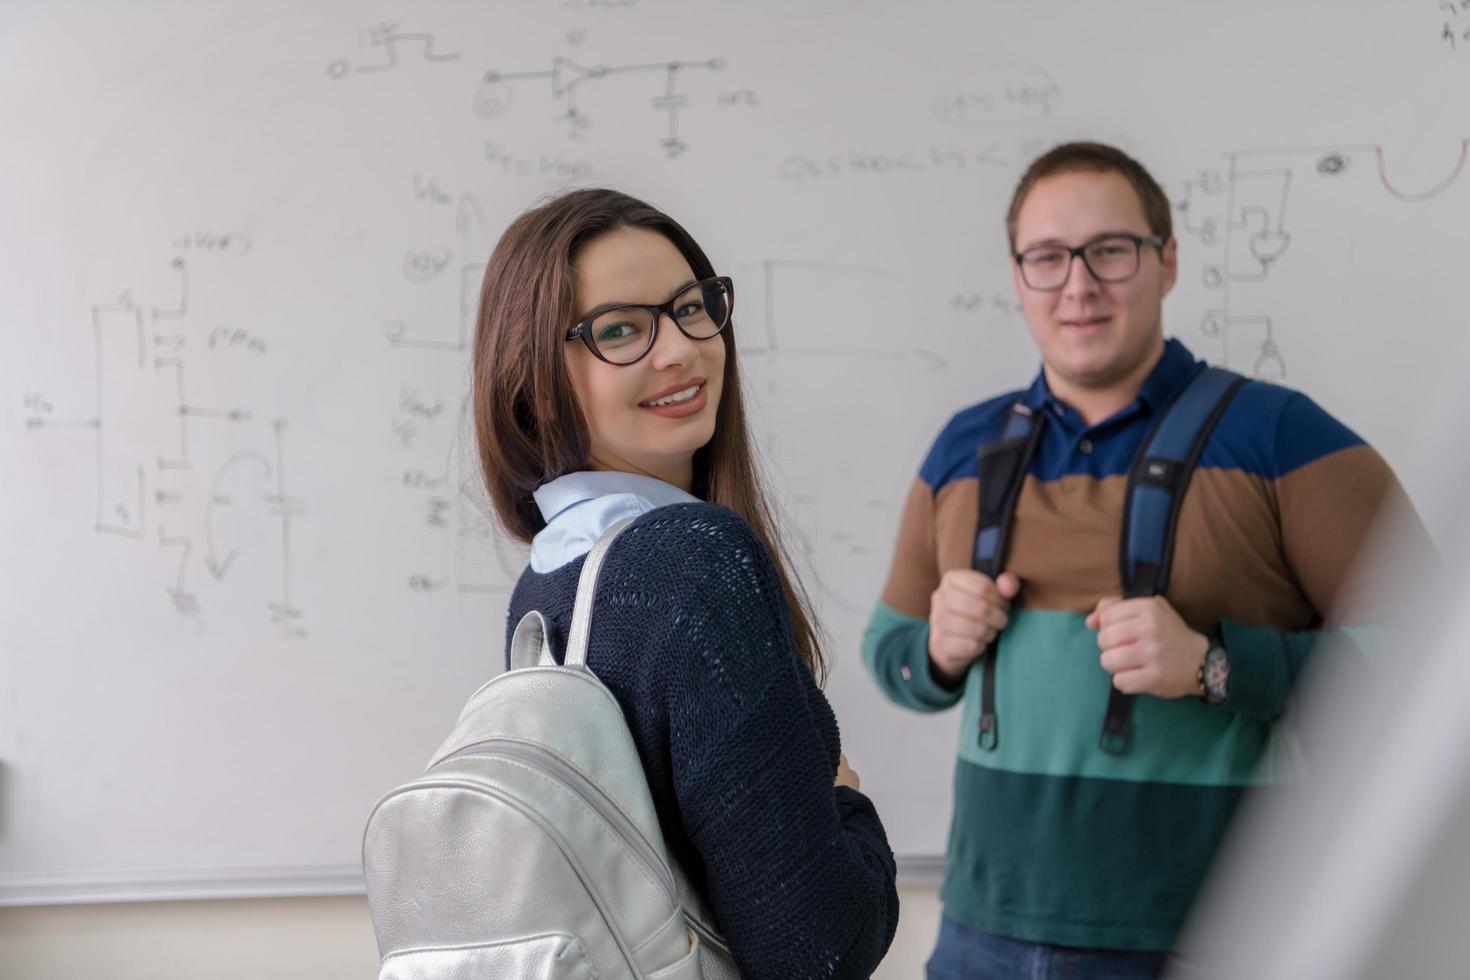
{"x":1175,"y":368}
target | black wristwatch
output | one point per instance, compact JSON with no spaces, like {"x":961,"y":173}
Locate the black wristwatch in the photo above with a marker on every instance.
{"x":1214,"y":673}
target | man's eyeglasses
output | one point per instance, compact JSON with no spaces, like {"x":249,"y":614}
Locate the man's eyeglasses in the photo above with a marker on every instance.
{"x":623,"y":334}
{"x":1111,"y":258}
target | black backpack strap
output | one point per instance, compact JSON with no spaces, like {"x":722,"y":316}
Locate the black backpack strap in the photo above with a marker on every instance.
{"x":1156,"y":487}
{"x":1002,"y":469}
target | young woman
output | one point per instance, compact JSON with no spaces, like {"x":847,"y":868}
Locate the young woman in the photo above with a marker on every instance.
{"x":605,"y":386}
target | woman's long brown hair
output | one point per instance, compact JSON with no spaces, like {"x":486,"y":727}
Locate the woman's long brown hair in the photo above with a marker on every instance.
{"x":528,"y":424}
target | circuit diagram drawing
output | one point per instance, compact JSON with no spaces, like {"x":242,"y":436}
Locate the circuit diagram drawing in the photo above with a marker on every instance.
{"x":390,"y":48}
{"x":205,"y":481}
{"x":1241,"y":212}
{"x":844,"y":294}
{"x":568,"y":75}
{"x":563,"y":79}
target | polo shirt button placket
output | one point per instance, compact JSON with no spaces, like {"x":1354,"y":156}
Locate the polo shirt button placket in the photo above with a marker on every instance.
{"x":1085,"y":447}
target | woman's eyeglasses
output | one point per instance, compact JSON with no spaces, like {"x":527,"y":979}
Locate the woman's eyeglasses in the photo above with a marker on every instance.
{"x":623,"y":334}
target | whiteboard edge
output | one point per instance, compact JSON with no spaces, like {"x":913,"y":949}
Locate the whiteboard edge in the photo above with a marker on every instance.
{"x":320,"y":881}
{"x":173,"y":886}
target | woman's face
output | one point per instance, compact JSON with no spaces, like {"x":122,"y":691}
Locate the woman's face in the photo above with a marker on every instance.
{"x":628,"y":432}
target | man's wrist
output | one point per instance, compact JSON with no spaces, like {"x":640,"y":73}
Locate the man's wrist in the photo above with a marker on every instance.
{"x":942,"y":677}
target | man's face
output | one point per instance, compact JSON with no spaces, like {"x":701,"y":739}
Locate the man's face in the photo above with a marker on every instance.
{"x":1093,"y":334}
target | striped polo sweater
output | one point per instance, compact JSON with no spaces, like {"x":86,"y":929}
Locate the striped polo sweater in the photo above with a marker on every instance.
{"x":1053,"y":839}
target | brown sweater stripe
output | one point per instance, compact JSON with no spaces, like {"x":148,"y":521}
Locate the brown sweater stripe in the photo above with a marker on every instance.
{"x":1281,"y":540}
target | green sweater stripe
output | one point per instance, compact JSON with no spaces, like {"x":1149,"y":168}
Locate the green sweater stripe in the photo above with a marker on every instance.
{"x":1051,"y":694}
{"x":1080,"y":862}
{"x":896,"y":653}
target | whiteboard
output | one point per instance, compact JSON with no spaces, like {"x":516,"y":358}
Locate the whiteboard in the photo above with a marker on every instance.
{"x":248,"y":574}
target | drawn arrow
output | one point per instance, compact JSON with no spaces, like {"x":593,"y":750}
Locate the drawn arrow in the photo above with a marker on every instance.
{"x":219,"y":568}
{"x":932,"y":361}
{"x":466,"y":212}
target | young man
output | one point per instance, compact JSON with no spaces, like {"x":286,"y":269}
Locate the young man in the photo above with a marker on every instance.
{"x":1066,"y":853}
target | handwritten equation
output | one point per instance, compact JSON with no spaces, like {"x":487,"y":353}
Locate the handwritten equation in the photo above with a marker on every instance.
{"x":804,"y":169}
{"x":999,"y":95}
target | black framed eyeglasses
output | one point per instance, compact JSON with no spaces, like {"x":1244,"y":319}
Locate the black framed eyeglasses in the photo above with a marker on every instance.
{"x":623,"y":334}
{"x":1110,"y":258}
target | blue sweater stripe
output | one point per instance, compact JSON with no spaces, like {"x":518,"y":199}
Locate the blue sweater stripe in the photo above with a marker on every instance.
{"x":1266,"y":431}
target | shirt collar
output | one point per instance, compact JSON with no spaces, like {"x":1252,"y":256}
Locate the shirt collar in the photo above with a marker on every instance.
{"x":574,"y":488}
{"x":1175,"y":368}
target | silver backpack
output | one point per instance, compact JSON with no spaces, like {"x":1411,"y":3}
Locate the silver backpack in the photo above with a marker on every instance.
{"x":530,"y":846}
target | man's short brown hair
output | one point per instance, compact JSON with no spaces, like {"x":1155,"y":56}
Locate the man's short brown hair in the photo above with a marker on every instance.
{"x":1095,"y":158}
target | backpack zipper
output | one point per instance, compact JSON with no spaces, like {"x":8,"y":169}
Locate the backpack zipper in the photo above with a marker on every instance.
{"x":550,"y":764}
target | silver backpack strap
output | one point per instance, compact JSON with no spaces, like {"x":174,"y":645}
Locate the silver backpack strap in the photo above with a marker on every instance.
{"x":530,"y":645}
{"x":581,"y":630}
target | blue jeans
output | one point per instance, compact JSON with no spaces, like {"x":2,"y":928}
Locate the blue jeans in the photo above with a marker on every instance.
{"x":963,"y":953}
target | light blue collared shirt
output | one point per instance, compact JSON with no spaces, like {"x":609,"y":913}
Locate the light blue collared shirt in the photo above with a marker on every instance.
{"x":579,"y":507}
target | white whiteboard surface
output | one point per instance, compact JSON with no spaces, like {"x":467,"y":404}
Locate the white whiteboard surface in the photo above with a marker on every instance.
{"x":247,"y":576}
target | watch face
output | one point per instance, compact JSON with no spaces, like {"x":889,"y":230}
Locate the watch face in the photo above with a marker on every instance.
{"x":1217,"y":673}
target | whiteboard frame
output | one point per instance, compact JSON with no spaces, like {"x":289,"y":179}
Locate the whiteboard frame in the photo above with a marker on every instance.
{"x":310,"y":881}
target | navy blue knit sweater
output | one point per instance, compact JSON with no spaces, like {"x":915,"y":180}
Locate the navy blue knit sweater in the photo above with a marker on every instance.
{"x":691,"y":633}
